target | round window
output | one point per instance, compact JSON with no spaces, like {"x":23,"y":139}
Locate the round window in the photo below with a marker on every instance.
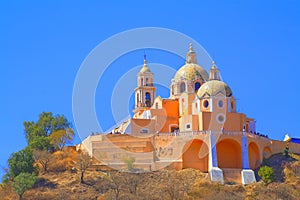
{"x":205,"y":104}
{"x":221,"y":104}
{"x":221,"y":118}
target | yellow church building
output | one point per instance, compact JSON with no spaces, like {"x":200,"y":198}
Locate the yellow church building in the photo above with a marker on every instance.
{"x":198,"y":127}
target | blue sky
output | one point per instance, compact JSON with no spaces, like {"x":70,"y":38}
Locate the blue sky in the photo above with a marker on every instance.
{"x":256,"y":45}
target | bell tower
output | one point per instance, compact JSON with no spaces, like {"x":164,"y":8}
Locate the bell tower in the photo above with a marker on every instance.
{"x":145,"y":92}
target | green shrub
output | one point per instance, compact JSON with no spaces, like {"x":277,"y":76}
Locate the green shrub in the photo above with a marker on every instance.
{"x":286,"y":151}
{"x":23,"y":182}
{"x":267,"y":174}
{"x":129,"y":162}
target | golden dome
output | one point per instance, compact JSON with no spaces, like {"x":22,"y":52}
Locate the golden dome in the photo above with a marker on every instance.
{"x":145,"y":67}
{"x":214,"y":87}
{"x":191,"y":72}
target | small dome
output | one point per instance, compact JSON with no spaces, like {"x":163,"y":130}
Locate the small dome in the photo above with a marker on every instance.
{"x":145,"y":69}
{"x":214,"y":87}
{"x":191,"y":72}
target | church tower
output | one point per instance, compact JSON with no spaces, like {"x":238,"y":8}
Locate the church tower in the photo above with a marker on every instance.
{"x":145,"y":92}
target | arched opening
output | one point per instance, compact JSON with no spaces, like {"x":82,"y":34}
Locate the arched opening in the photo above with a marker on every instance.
{"x":197,"y":86}
{"x":229,"y":153}
{"x":148,"y":99}
{"x":142,"y":82}
{"x":182,"y":106}
{"x":232,"y":105}
{"x":253,"y":155}
{"x":247,"y":127}
{"x":205,"y":103}
{"x":137,"y":99}
{"x":174,"y":129}
{"x":172,"y":90}
{"x":267,"y":152}
{"x":195,"y":155}
{"x":182,"y":87}
{"x":146,"y":81}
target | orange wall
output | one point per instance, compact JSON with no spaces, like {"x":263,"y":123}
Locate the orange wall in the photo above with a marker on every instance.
{"x":234,"y":121}
{"x":194,"y":150}
{"x":171,"y":107}
{"x":253,"y":155}
{"x":166,"y":116}
{"x":194,"y":155}
{"x":138,"y":124}
{"x":229,"y":154}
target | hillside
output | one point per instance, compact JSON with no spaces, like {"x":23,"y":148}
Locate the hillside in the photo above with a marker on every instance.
{"x":62,"y":181}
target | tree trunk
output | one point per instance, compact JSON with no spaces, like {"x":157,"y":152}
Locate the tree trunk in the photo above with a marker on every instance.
{"x":81,"y":177}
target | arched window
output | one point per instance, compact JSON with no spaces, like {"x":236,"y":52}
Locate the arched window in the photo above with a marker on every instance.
{"x":146,"y":81}
{"x":172,"y":89}
{"x":148,"y":99}
{"x":182,"y":87}
{"x":205,"y":104}
{"x":137,"y":98}
{"x":197,"y":86}
{"x":142,"y":82}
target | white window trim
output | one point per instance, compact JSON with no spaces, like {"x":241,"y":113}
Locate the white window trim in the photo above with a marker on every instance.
{"x":173,"y":125}
{"x":217,"y":118}
{"x":144,"y":130}
{"x":188,"y":129}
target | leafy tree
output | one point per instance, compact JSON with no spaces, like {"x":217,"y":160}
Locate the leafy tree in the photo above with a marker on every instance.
{"x":40,"y":143}
{"x":84,"y":161}
{"x":267,"y":174}
{"x":23,"y":182}
{"x":60,"y":138}
{"x":21,"y":161}
{"x":46,"y":124}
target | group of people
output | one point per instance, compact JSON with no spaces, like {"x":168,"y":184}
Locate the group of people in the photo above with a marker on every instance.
{"x":259,"y":134}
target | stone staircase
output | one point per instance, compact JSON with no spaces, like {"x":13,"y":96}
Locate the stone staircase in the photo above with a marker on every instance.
{"x":232,"y":175}
{"x":115,"y":149}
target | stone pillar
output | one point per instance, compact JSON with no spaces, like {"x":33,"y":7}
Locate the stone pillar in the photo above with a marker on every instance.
{"x":216,"y":174}
{"x":248,"y":175}
{"x":245,"y":158}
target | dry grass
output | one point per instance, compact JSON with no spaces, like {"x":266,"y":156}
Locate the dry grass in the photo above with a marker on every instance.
{"x":63,"y":183}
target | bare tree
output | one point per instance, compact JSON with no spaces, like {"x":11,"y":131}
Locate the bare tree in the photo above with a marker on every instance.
{"x":84,"y":161}
{"x":43,"y":157}
{"x":116,"y":183}
{"x":173,"y":184}
{"x":132,"y":181}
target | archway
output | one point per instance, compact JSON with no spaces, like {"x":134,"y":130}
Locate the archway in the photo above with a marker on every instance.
{"x":142,"y":82}
{"x":195,"y":155}
{"x":253,"y":155}
{"x":197,"y":86}
{"x":182,"y":87}
{"x":267,"y":152}
{"x":148,"y":99}
{"x":229,"y":154}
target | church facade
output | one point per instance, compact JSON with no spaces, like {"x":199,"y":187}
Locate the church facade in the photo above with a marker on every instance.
{"x":198,"y":127}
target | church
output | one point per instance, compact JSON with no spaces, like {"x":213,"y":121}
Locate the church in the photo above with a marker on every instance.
{"x":197,"y":127}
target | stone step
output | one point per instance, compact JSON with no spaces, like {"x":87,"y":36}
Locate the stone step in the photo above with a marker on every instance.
{"x":232,"y":175}
{"x":114,"y":150}
{"x":119,"y":144}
